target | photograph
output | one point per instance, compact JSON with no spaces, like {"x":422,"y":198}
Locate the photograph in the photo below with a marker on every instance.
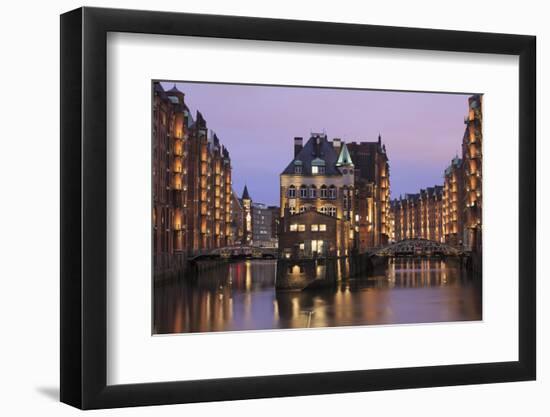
{"x":292,"y":207}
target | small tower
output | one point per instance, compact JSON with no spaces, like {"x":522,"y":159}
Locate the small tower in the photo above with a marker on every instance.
{"x":344,"y":158}
{"x":247,"y":217}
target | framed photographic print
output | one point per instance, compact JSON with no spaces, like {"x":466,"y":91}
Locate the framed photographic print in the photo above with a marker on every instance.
{"x":256,"y":207}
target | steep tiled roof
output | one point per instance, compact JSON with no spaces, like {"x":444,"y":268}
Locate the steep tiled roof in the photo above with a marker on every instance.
{"x":317,"y":147}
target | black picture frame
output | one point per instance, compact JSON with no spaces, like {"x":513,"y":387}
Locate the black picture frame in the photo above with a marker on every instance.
{"x":84,"y":207}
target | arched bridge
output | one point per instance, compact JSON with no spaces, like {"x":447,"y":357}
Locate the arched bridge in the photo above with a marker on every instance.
{"x":418,"y":247}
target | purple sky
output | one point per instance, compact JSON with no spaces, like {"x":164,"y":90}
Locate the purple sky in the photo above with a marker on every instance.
{"x":257,"y":124}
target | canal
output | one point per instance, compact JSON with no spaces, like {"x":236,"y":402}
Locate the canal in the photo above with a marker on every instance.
{"x":242,"y":296}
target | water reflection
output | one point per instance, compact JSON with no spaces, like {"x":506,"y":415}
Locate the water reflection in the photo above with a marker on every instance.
{"x":242,"y":296}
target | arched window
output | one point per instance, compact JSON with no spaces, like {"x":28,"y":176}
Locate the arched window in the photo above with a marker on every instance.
{"x":332,"y":192}
{"x":292,"y":191}
{"x":313,"y":191}
{"x":303,"y":191}
{"x":324,"y":193}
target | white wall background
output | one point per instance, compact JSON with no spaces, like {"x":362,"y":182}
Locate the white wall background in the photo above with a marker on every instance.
{"x":29,"y":213}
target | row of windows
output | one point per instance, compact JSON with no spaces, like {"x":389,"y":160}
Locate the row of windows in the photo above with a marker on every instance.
{"x":330,"y":210}
{"x":315,"y":170}
{"x":311,"y":192}
{"x":302,"y":227}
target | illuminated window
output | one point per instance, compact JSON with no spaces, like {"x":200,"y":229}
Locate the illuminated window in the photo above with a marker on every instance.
{"x":293,"y":227}
{"x":317,"y":246}
{"x":302,"y":246}
{"x":314,"y":227}
{"x":330,"y":210}
{"x":322,"y":227}
{"x":314,"y":170}
{"x":301,"y":227}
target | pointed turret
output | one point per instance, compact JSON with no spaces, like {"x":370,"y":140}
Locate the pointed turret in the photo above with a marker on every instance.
{"x":175,"y":95}
{"x":344,"y":159}
{"x":174,"y":90}
{"x":246,"y":196}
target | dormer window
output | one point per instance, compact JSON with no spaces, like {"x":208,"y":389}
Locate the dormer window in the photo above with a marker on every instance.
{"x":317,"y":166}
{"x":297,"y":167}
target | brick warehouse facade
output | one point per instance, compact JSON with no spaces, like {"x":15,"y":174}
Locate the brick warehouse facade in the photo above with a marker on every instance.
{"x":372,"y":188}
{"x":311,"y":234}
{"x":453,"y":198}
{"x":191,"y":182}
{"x":419,"y":215}
{"x":457,"y":204}
{"x":472,"y":160}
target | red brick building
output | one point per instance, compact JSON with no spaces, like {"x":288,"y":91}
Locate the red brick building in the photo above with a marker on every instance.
{"x":191,"y":181}
{"x":372,"y":190}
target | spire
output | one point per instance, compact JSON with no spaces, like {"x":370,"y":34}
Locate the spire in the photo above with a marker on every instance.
{"x":246,"y":196}
{"x":175,"y":90}
{"x":344,"y":158}
{"x":379,"y":138}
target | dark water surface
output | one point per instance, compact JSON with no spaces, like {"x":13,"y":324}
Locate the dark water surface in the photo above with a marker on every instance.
{"x":242,"y":296}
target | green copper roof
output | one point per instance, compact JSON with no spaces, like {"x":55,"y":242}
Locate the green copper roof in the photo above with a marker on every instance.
{"x":344,"y":158}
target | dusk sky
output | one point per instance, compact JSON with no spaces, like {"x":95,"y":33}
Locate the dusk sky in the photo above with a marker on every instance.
{"x":422,"y":131}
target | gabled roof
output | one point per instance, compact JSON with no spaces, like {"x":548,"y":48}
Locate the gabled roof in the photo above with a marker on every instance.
{"x":313,"y":151}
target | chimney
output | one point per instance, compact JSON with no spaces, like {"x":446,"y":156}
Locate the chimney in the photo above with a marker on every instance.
{"x":298,"y":145}
{"x":336,"y":144}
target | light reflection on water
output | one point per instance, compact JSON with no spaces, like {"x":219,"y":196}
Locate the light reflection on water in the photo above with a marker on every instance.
{"x":242,"y":296}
